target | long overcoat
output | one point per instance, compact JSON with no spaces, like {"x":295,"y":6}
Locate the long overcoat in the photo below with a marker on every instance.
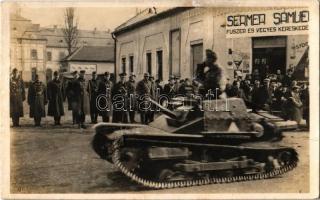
{"x":37,"y":99}
{"x":17,"y":96}
{"x":55,"y":93}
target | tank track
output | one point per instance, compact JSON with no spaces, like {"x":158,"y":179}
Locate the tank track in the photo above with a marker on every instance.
{"x":188,"y":183}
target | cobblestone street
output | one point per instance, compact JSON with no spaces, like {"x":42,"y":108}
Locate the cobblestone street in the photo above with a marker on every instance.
{"x":59,"y":159}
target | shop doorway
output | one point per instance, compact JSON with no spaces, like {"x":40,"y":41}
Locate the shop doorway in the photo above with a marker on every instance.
{"x":269,"y":55}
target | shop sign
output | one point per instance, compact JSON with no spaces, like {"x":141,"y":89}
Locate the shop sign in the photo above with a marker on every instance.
{"x":267,"y":23}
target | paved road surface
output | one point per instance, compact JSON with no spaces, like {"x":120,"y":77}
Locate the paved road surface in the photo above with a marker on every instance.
{"x":52,"y":159}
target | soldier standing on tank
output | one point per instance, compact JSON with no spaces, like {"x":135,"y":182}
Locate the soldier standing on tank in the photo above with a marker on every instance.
{"x":131,"y":84}
{"x":17,"y":96}
{"x":120,"y":93}
{"x":37,"y":99}
{"x":213,"y":75}
{"x":56,"y":95}
{"x":104,"y":102}
{"x":92,"y":90}
{"x":78,"y":88}
{"x":144,"y":93}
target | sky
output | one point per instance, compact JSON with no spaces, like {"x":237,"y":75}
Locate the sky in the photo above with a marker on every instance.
{"x":88,"y":18}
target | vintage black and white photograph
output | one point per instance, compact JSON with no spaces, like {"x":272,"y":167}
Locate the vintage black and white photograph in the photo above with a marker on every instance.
{"x":152,"y":99}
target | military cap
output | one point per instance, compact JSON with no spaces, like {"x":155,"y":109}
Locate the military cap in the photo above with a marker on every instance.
{"x":123,"y":74}
{"x":55,"y":73}
{"x":94,"y":72}
{"x":266,"y":80}
{"x":74,"y":72}
{"x":14,"y":70}
{"x":106,"y":73}
{"x":133,"y":74}
{"x":171,"y":77}
{"x":151,"y":76}
{"x":146,"y":74}
{"x":83,"y":71}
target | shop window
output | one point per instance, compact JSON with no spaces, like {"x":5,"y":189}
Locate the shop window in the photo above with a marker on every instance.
{"x":159,"y":65}
{"x":149,"y":63}
{"x":123,"y":61}
{"x":34,"y":54}
{"x":131,"y":63}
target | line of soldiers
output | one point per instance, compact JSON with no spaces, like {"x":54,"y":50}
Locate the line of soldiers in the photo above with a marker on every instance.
{"x":38,"y":97}
{"x":122,"y":99}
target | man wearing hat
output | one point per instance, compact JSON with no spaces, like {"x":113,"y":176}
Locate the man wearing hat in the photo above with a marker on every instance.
{"x":131,"y":84}
{"x":55,"y":93}
{"x":37,"y":99}
{"x":119,"y":96}
{"x":104,"y":102}
{"x":153,"y":96}
{"x":92,"y":90}
{"x":78,"y":104}
{"x":169,"y":88}
{"x":144,"y":90}
{"x":70,"y":94}
{"x":264,"y":95}
{"x":17,"y":96}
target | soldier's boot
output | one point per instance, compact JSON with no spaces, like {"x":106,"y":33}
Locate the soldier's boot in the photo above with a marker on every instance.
{"x":132,"y":115}
{"x":15,"y":121}
{"x":37,"y":121}
{"x":105,"y":118}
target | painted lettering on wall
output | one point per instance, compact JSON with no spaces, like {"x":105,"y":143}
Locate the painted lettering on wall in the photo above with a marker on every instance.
{"x":270,"y":22}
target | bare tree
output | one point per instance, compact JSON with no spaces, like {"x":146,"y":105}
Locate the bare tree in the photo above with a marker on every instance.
{"x":70,"y":29}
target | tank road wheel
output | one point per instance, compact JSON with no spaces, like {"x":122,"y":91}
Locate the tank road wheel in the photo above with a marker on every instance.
{"x":130,"y":158}
{"x":165,"y":175}
{"x":284,"y":158}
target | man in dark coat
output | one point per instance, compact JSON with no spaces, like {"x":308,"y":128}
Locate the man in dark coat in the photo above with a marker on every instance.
{"x":55,"y":96}
{"x":104,"y":101}
{"x":264,"y":99}
{"x":131,"y":84}
{"x":144,"y":92}
{"x":92,"y":90}
{"x":77,"y":103}
{"x":152,"y":96}
{"x":119,"y":96}
{"x":17,"y":96}
{"x":37,"y":99}
{"x":186,"y":89}
{"x":70,"y":95}
{"x":169,"y":89}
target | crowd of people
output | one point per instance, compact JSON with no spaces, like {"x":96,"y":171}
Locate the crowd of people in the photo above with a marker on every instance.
{"x":121,"y":101}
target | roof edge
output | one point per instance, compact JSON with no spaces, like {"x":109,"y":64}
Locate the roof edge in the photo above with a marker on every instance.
{"x":151,"y":19}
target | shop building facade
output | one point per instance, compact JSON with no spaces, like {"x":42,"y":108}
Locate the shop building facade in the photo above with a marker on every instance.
{"x":173,"y":42}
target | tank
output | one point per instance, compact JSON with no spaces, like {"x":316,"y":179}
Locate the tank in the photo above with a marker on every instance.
{"x":198,"y":143}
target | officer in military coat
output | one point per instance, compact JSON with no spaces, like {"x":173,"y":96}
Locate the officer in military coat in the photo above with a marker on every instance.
{"x":92,"y":90}
{"x":104,"y":103}
{"x":144,"y":89}
{"x":17,"y":96}
{"x":131,"y":84}
{"x":78,"y":101}
{"x":37,"y":99}
{"x":56,"y":95}
{"x":119,"y":96}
